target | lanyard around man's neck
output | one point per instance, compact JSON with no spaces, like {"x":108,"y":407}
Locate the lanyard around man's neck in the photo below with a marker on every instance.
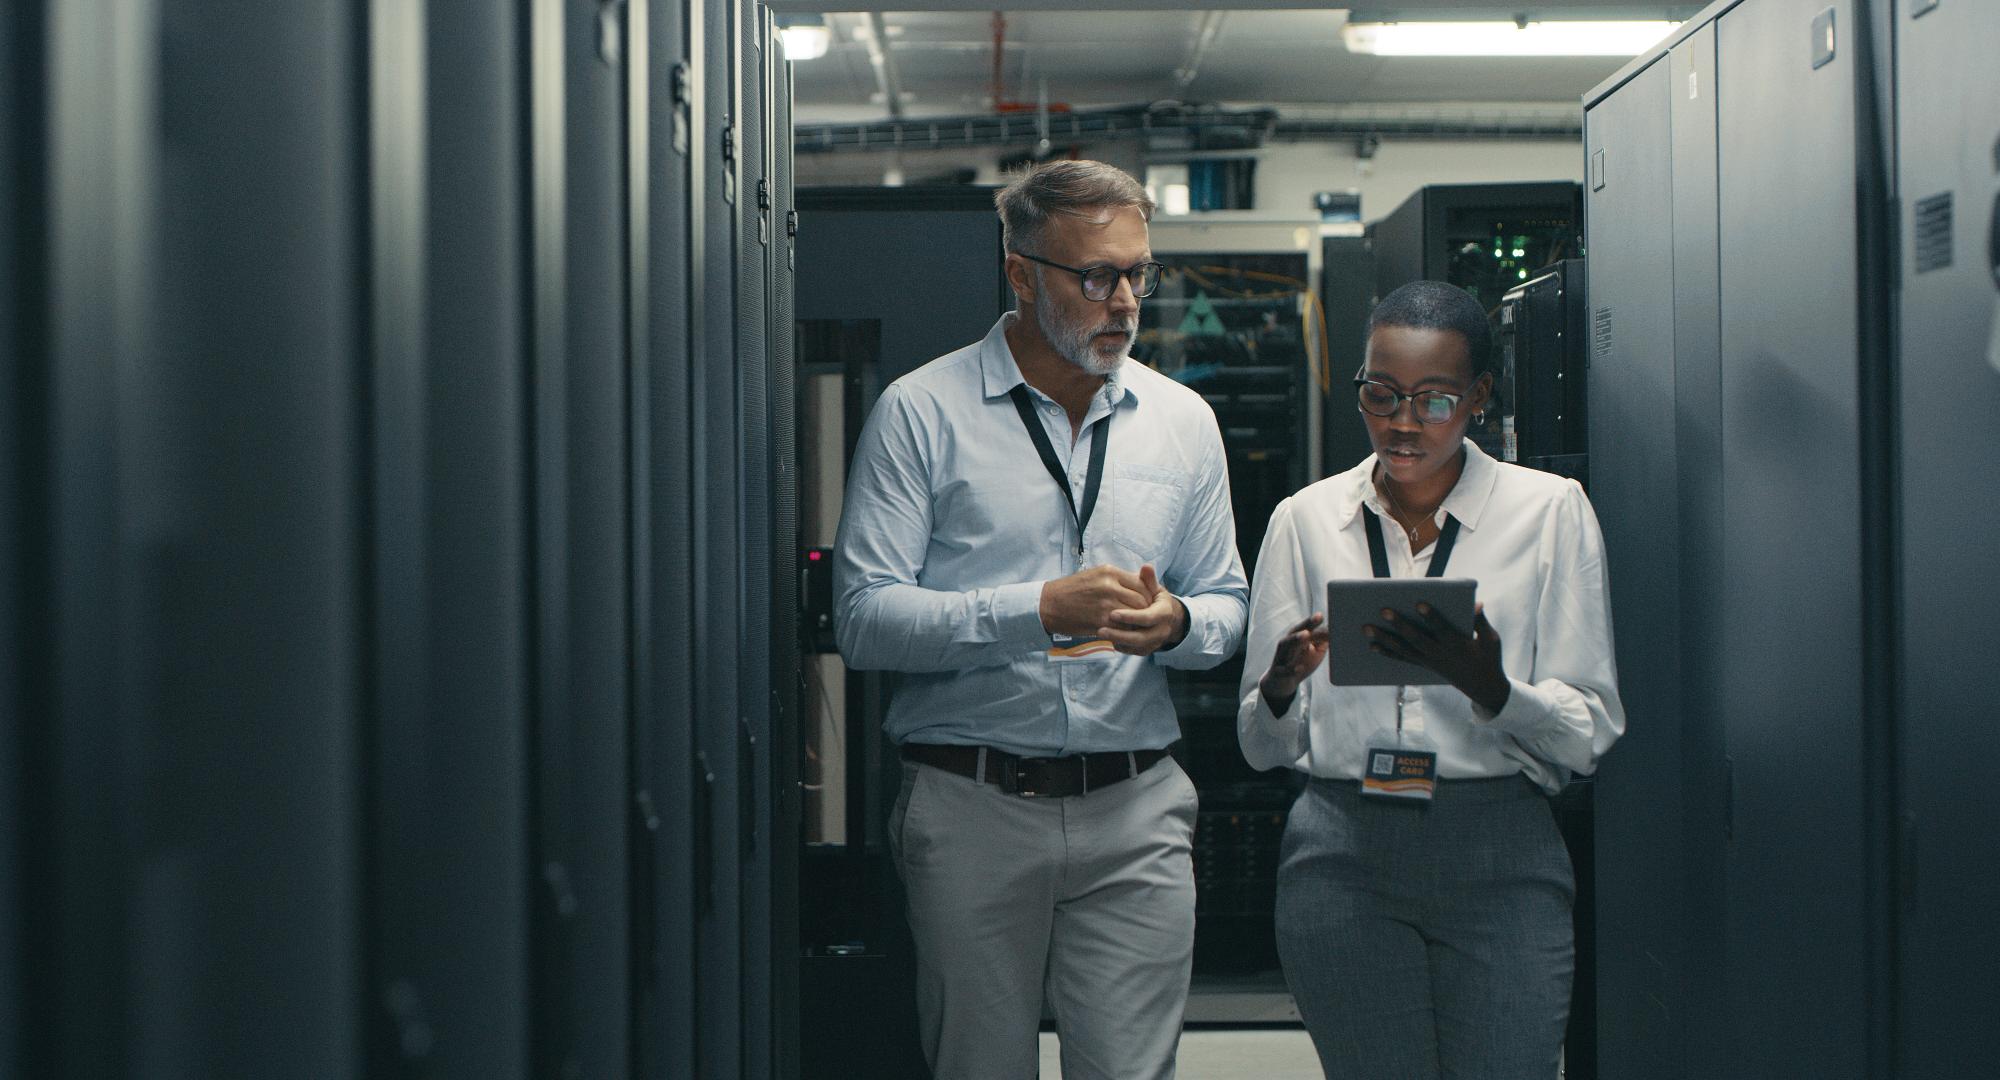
{"x":1100,"y":438}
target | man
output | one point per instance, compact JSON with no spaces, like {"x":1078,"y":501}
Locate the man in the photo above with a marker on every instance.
{"x":1035,"y":529}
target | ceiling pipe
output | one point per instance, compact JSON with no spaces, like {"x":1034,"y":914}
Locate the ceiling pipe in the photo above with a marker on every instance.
{"x":999,"y":54}
{"x":1204,"y":36}
{"x":1001,"y":104}
{"x":887,"y":79}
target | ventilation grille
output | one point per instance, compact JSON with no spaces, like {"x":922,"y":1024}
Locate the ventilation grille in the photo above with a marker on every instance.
{"x":1933,"y":233}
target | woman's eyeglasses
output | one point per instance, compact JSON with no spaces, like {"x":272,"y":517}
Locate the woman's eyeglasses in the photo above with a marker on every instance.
{"x":1428,"y":406}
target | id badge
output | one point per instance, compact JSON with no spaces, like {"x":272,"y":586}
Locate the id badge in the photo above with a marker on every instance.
{"x":1070,"y":650}
{"x":1400,"y":773}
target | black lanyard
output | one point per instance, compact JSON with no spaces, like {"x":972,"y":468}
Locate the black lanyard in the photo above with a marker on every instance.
{"x":1100,"y":439}
{"x":1378,"y":552}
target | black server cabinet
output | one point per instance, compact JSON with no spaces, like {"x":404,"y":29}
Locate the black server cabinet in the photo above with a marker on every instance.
{"x":755,"y":497}
{"x":20,"y":276}
{"x":1542,"y":348}
{"x":718,"y":566}
{"x":668,"y":261}
{"x":888,"y":280}
{"x":580,"y":415}
{"x":191,"y":593}
{"x":1347,"y":295}
{"x":1485,"y":238}
{"x":785,"y":758}
{"x":1948,"y":101}
{"x":1632,"y":455}
{"x":447,"y":980}
{"x":1742,"y":486}
{"x":1694,"y":96}
{"x":1791,"y":665}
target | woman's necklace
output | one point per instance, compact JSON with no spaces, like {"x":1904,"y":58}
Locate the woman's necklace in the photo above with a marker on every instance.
{"x":1403,"y":516}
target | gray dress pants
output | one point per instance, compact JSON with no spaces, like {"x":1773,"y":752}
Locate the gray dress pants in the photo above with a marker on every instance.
{"x":1428,"y":942}
{"x":1088,"y":899}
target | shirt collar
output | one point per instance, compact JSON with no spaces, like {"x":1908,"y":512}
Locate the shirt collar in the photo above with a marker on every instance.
{"x":1000,"y":374}
{"x":1466,"y":501}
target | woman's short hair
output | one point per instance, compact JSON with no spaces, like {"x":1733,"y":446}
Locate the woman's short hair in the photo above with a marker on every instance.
{"x":1075,"y":188}
{"x":1435,"y":305}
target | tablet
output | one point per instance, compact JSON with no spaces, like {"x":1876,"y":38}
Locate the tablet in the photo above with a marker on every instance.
{"x":1353,"y":603}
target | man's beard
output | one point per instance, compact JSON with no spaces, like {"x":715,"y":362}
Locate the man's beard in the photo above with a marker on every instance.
{"x":1076,"y":343}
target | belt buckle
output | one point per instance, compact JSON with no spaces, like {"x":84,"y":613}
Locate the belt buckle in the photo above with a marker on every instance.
{"x":1014,"y":770}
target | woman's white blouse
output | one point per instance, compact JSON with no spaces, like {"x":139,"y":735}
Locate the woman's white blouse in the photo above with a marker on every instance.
{"x":1531,"y":541}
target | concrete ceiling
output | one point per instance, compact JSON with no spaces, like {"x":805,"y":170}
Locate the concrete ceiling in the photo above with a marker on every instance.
{"x":1096,"y":58}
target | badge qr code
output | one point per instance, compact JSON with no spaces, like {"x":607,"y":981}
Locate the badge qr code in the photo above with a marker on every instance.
{"x":1382,"y":764}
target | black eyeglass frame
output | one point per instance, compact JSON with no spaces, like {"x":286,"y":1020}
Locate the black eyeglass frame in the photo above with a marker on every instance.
{"x":1401,"y":397}
{"x":1083,"y":276}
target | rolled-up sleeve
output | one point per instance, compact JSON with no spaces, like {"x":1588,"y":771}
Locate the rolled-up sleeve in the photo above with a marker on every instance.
{"x":884,"y":620}
{"x":1206,"y":571}
{"x":1280,"y":599}
{"x":1567,"y":711}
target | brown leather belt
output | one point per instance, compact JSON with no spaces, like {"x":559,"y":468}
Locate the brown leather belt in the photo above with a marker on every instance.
{"x":1047,"y":777}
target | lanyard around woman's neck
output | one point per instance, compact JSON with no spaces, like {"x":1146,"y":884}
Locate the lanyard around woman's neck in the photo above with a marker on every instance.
{"x":1378,"y":549}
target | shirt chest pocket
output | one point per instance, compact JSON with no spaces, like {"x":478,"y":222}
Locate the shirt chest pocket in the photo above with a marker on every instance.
{"x":1146,"y":508}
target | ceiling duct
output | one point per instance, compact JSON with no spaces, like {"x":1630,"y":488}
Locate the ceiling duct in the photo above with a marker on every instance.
{"x":1175,"y":128}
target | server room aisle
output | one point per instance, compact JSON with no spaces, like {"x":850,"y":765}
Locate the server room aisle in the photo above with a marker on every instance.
{"x":1234,"y":1054}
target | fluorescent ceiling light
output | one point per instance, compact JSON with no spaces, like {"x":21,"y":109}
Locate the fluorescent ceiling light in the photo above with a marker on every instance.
{"x":805,"y":42}
{"x":1504,"y":38}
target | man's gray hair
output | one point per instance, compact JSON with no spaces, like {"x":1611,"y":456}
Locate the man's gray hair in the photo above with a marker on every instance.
{"x":1075,"y":188}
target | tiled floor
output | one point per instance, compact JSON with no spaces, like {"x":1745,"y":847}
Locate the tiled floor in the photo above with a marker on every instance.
{"x":1226,"y":1054}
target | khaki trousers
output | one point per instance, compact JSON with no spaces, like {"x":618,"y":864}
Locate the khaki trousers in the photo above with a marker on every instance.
{"x":1087,"y":901}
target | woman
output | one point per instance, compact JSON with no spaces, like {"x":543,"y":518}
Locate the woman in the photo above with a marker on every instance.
{"x":1428,"y":939}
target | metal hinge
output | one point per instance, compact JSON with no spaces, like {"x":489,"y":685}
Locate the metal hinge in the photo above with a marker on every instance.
{"x":683,"y":107}
{"x":729,"y":161}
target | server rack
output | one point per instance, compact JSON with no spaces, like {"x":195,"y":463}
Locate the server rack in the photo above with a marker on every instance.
{"x":21,"y":288}
{"x":1947,"y":139}
{"x":1540,"y":335}
{"x":669,"y":269}
{"x":753,"y":452}
{"x":188,"y":557}
{"x":889,"y":279}
{"x":449,"y":978}
{"x":1347,"y":295}
{"x":719,"y":723}
{"x":349,"y":532}
{"x":1235,"y":328}
{"x":1443,"y":233}
{"x":1632,"y":439}
{"x":1766,"y":540}
{"x":788,"y":626}
{"x":1487,"y":239}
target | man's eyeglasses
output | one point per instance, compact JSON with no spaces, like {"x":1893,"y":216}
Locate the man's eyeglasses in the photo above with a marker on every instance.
{"x":1428,"y":406}
{"x":1100,"y":281}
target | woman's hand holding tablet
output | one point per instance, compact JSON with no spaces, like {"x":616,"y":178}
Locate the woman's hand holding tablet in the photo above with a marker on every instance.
{"x":1426,"y":638}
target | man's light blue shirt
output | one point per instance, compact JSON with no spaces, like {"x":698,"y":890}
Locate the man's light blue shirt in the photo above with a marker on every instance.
{"x":952,"y":524}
